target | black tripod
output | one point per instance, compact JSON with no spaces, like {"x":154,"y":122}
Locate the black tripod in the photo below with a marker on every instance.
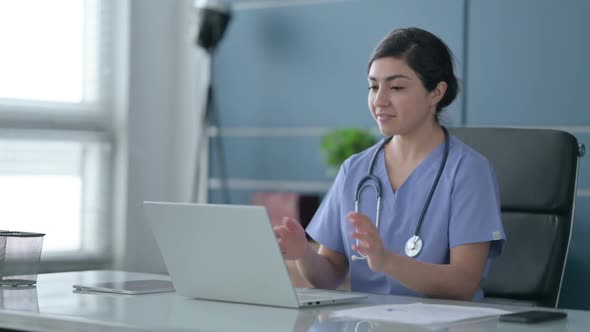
{"x":213,"y":22}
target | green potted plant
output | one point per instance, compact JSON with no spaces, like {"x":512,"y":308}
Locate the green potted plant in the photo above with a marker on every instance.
{"x":341,"y":143}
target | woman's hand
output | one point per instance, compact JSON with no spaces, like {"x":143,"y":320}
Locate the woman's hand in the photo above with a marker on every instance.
{"x":291,"y":238}
{"x":369,"y":241}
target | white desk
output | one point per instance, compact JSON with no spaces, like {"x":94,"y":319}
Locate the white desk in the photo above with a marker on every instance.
{"x":53,"y":306}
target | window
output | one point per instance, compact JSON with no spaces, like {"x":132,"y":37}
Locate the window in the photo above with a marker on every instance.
{"x":50,"y":50}
{"x":55,"y":117}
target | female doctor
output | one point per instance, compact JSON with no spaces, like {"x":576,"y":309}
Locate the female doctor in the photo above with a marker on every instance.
{"x":427,"y":220}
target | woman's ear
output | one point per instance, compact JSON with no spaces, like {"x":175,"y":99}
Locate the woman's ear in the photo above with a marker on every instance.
{"x":438,"y":93}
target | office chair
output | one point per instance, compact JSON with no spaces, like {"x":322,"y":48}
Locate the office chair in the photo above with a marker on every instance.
{"x":537,"y":172}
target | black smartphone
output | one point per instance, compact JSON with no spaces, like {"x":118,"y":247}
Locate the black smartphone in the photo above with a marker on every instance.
{"x":532,"y":316}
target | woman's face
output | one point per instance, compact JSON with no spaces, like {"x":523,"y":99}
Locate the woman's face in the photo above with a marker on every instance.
{"x":397,"y":98}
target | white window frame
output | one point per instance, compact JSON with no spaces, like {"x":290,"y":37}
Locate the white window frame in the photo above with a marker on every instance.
{"x":96,"y":122}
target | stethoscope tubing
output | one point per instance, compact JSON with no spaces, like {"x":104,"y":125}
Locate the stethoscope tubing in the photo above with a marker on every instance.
{"x":434,"y":184}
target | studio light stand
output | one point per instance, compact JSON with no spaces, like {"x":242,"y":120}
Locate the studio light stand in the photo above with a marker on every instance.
{"x":214,"y":17}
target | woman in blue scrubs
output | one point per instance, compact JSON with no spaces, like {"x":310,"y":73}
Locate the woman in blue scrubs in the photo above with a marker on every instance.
{"x":411,"y":80}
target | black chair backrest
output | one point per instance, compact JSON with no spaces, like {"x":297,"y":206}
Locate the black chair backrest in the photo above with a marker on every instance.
{"x":537,"y":172}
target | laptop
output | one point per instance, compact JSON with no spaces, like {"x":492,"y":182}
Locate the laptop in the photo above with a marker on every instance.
{"x":229,"y":253}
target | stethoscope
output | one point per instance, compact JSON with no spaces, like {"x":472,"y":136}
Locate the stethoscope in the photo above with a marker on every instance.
{"x":414,"y":244}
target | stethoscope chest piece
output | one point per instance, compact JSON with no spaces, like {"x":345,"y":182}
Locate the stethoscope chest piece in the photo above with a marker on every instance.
{"x":413,"y":246}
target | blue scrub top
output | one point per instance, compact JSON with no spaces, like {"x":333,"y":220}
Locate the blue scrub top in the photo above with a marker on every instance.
{"x":465,"y":208}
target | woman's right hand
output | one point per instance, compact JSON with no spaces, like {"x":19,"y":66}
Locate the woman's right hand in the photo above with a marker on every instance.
{"x":291,"y":238}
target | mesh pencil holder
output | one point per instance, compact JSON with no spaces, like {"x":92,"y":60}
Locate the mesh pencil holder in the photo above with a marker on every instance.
{"x":20,"y":254}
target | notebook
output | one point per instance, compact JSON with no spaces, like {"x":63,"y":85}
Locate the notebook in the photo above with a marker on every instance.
{"x":229,"y":253}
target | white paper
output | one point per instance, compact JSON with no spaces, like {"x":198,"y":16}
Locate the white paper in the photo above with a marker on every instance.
{"x":419,"y":313}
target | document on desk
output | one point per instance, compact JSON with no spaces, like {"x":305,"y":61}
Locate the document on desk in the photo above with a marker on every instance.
{"x":419,"y":313}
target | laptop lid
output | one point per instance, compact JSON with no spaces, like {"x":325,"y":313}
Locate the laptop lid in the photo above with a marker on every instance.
{"x":221,"y":252}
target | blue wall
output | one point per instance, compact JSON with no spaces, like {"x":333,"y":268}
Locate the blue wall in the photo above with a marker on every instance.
{"x":286,"y":74}
{"x":528,"y":66}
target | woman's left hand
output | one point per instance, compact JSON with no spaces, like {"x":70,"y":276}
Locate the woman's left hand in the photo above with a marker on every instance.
{"x":369,"y":241}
